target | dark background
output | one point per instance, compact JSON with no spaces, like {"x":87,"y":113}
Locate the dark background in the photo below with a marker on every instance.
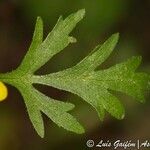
{"x":131,"y":18}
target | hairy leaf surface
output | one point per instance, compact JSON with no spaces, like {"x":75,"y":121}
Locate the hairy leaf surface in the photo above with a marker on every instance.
{"x":94,"y":86}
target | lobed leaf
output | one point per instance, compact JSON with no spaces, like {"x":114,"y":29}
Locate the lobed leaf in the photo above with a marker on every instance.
{"x":26,"y":65}
{"x":94,"y":86}
{"x":56,"y":41}
{"x":57,"y":111}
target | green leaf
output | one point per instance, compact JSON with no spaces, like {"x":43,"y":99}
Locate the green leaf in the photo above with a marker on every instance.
{"x":99,"y":54}
{"x":37,"y":102}
{"x":94,"y":86}
{"x":56,"y":40}
{"x":36,"y":42}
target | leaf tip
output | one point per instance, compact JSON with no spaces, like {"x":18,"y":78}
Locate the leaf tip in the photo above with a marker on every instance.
{"x":41,"y":135}
{"x":69,"y":106}
{"x":72,"y":39}
{"x":81,"y":13}
{"x":40,"y":132}
{"x":80,"y":130}
{"x":115,"y":36}
{"x":122,"y":116}
{"x":39,"y":19}
{"x":134,"y":62}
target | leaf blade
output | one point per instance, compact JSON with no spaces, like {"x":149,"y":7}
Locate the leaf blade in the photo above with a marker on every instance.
{"x":56,"y":40}
{"x":37,"y":39}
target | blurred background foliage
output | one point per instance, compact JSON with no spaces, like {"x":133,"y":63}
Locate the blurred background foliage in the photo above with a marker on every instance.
{"x":131,"y":18}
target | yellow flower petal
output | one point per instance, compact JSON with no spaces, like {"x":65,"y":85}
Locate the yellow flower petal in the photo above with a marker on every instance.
{"x":3,"y":91}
